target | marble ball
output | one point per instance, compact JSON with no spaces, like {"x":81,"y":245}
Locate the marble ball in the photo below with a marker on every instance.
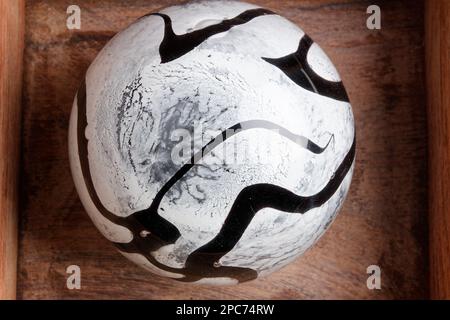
{"x":212,"y":142}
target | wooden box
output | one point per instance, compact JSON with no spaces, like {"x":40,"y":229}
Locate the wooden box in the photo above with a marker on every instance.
{"x":397,"y":214}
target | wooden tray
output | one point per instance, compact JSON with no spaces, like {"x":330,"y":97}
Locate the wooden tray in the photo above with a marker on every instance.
{"x":384,"y":221}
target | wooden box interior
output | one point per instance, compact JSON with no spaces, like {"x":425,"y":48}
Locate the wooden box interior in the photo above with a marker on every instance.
{"x":383,"y":221}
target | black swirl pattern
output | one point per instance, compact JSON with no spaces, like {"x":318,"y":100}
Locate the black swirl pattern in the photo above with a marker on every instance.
{"x":151,"y":231}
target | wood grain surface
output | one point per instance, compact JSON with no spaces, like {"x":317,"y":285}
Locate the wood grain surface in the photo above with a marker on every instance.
{"x":383,"y":221}
{"x":12,"y":26}
{"x":438,"y":86}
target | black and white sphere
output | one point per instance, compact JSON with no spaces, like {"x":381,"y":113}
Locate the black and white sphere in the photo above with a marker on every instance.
{"x":212,"y":142}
